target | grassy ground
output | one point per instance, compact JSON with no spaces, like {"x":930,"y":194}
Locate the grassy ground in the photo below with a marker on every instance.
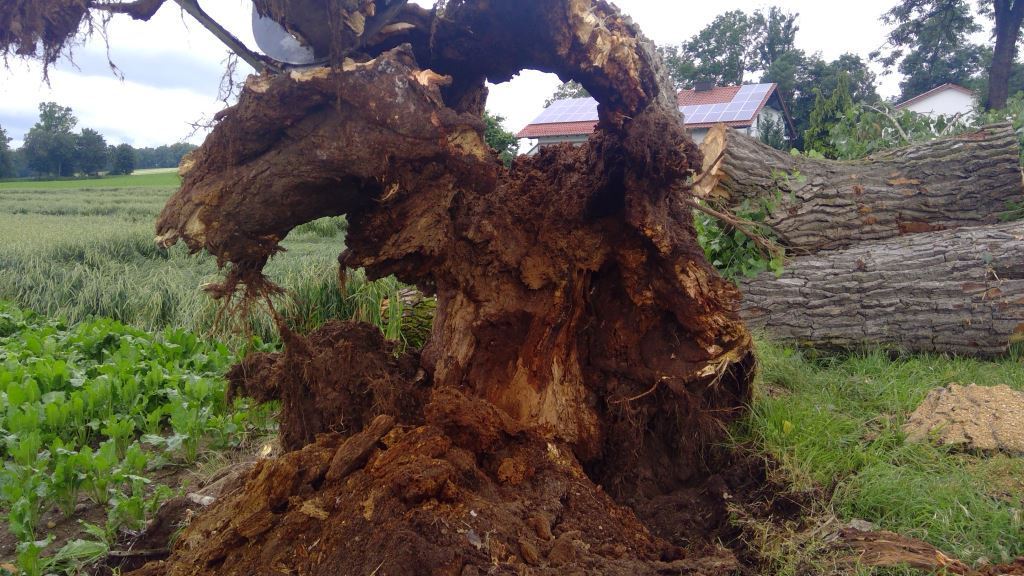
{"x":834,"y":425}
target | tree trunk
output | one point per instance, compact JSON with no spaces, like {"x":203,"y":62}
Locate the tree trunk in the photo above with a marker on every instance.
{"x":1009,"y":15}
{"x":958,"y":291}
{"x":965,"y":180}
{"x":578,"y":323}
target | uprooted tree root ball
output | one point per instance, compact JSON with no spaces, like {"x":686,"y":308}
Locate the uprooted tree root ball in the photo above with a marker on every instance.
{"x":583,"y":351}
{"x":583,"y":354}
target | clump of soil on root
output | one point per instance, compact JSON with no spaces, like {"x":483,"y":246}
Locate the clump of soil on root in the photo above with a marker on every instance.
{"x":424,"y":504}
{"x":334,"y":380}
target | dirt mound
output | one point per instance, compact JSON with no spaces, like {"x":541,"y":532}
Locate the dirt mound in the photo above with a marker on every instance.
{"x":424,"y":504}
{"x":987,"y":418}
{"x":334,"y":380}
{"x":404,"y":479}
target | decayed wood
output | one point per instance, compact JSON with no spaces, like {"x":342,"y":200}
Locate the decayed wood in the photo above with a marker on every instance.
{"x":353,"y":453}
{"x":966,"y":180}
{"x":959,"y":291}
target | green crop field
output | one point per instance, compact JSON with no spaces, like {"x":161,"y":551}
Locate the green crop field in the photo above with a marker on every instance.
{"x":116,"y":372}
{"x":159,"y":178}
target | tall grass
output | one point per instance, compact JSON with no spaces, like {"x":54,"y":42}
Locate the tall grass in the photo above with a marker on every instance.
{"x":79,"y":253}
{"x":836,"y":423}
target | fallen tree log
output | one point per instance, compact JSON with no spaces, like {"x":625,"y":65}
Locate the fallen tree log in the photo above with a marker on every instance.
{"x":958,"y":291}
{"x":817,"y":204}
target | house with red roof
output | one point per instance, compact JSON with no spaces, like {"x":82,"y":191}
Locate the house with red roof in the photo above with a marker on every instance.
{"x":945,"y":100}
{"x":748,"y":108}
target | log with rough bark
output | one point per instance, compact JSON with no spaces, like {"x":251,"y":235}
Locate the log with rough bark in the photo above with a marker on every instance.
{"x":817,"y":204}
{"x":959,"y":291}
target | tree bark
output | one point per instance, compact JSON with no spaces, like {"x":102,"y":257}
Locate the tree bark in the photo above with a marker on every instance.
{"x":959,"y":291}
{"x":965,"y":180}
{"x":1009,"y":15}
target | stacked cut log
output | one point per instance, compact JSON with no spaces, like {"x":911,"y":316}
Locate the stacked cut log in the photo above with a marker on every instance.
{"x":904,"y":249}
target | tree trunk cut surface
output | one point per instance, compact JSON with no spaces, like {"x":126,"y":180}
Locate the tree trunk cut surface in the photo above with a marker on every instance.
{"x":959,"y":291}
{"x":966,"y":180}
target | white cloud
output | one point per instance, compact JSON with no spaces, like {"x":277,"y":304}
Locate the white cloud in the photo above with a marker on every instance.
{"x":139,"y":111}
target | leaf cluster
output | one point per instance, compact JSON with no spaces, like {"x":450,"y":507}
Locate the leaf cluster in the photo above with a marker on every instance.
{"x":90,"y":409}
{"x":733,"y":252}
{"x":566,"y":91}
{"x":502,"y":141}
{"x":733,"y":44}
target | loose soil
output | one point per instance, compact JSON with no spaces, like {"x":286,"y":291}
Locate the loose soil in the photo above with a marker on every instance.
{"x":977,"y":418}
{"x":402,"y":478}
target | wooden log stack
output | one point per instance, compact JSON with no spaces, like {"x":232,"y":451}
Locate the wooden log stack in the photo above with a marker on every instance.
{"x":904,"y":249}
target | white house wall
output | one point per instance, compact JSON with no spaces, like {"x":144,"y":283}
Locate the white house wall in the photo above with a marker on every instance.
{"x":946,"y":103}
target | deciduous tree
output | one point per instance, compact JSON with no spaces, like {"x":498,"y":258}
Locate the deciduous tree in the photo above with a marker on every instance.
{"x":731,"y":46}
{"x":800,"y":77}
{"x":566,"y":90}
{"x":930,"y":43}
{"x":6,"y":155}
{"x":123,"y":160}
{"x":90,"y":152}
{"x":503,"y":141}
{"x":50,"y":143}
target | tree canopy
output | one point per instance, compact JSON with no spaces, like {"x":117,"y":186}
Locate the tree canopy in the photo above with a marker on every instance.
{"x":6,"y":155}
{"x":827,"y":111}
{"x":500,"y":139}
{"x":566,"y":90}
{"x":930,"y":43}
{"x":90,"y":152}
{"x":50,"y":144}
{"x":801,"y":77}
{"x":123,"y":160}
{"x":731,"y":46}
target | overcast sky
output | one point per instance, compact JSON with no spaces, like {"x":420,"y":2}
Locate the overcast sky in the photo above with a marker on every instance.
{"x":172,"y":67}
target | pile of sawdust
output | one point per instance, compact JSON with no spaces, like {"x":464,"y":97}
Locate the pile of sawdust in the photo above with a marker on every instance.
{"x":983,"y":418}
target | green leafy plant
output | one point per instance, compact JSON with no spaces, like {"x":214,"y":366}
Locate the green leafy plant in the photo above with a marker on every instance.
{"x":76,"y":398}
{"x":743,"y":251}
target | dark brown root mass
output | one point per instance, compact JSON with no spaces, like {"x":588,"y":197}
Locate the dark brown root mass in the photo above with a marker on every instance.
{"x":582,"y":351}
{"x":39,"y":28}
{"x":336,"y":380}
{"x":426,"y":503}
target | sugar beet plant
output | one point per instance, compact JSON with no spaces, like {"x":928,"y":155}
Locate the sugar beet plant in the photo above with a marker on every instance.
{"x":88,"y":410}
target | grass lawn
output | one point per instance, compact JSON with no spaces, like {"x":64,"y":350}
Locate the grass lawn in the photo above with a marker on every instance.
{"x":834,"y":424}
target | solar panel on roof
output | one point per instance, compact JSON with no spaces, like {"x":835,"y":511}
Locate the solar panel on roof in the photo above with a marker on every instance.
{"x":741,"y":108}
{"x":569,"y":110}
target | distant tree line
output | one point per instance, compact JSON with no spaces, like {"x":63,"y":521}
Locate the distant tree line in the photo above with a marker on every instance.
{"x":52,"y":149}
